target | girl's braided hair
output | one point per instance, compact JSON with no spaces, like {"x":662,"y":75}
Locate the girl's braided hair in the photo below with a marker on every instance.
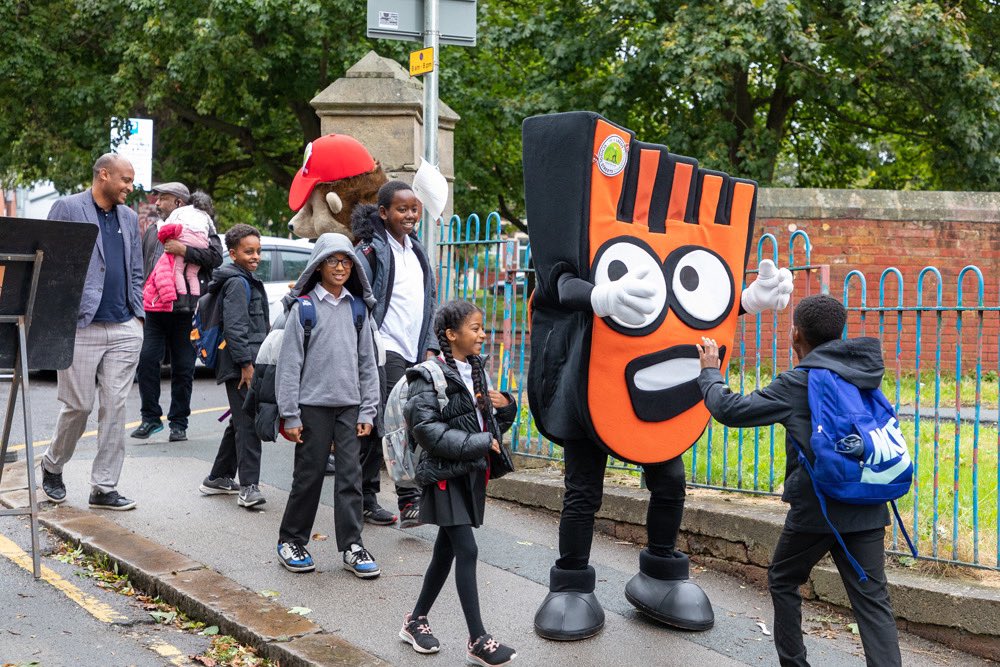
{"x":451,"y":316}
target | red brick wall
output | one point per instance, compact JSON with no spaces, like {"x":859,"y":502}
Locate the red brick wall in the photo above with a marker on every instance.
{"x":871,"y":231}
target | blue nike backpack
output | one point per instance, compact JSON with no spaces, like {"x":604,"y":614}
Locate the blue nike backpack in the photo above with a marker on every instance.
{"x":860,"y":456}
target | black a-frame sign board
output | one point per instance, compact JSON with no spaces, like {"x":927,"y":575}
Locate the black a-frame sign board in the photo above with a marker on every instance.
{"x":43,"y":265}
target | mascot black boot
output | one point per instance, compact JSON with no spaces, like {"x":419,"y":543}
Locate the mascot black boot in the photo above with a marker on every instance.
{"x":570,"y":611}
{"x":663,"y":592}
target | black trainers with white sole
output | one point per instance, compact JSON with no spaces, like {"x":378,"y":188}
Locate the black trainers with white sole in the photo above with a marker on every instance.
{"x":112,"y":500}
{"x":417,"y":632}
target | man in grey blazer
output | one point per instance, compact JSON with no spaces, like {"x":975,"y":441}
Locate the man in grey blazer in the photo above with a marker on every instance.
{"x":108,"y":335}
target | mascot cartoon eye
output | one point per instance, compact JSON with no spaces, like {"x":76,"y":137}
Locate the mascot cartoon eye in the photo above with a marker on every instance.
{"x":701,"y":286}
{"x":626,"y":258}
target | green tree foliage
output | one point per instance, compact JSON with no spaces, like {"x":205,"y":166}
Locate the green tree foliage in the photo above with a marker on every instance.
{"x":901,"y":94}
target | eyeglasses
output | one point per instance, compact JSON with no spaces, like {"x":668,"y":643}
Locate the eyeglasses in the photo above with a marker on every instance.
{"x":336,"y":261}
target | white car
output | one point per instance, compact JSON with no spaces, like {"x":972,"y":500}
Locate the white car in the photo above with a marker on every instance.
{"x":281,"y":262}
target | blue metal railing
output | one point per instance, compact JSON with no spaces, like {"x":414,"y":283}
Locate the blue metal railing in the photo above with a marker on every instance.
{"x":949,"y":523}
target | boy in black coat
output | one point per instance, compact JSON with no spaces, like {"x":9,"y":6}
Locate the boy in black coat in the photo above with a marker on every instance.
{"x":806,"y":537}
{"x":245,"y":323}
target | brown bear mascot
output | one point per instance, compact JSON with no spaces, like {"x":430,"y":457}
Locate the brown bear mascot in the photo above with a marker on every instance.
{"x":337,"y":175}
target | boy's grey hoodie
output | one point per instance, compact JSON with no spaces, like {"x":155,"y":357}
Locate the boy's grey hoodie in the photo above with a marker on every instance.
{"x":339,"y":368}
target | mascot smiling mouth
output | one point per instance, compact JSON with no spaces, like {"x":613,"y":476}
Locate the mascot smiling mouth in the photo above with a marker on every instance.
{"x":664,"y":384}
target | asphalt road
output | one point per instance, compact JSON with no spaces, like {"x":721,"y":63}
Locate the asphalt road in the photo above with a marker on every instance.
{"x":517,"y":546}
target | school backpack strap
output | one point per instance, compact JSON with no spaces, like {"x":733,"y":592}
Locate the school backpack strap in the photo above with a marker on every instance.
{"x":358,"y":312}
{"x":307,"y":318}
{"x":438,"y":379}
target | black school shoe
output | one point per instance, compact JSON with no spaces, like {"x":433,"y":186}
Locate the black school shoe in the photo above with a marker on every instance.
{"x":112,"y":500}
{"x":490,"y":652}
{"x":53,"y":487}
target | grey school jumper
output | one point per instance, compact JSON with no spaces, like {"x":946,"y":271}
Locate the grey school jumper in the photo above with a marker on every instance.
{"x":340,"y":369}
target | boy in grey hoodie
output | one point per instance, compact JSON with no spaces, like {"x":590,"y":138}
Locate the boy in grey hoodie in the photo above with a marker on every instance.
{"x":328,"y":391}
{"x":818,"y":322}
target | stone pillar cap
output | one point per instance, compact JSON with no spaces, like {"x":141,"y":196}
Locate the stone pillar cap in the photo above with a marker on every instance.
{"x":375,"y":81}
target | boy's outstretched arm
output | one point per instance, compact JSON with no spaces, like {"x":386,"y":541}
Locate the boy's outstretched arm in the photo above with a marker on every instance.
{"x":770,"y":405}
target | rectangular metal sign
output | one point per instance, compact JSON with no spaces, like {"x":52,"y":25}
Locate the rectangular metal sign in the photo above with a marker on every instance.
{"x":404,"y":19}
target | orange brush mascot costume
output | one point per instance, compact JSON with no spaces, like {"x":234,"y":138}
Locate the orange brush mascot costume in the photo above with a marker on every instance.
{"x":638,"y":254}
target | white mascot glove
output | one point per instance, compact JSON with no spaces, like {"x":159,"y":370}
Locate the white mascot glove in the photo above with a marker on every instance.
{"x":628,"y":300}
{"x":771,"y":290}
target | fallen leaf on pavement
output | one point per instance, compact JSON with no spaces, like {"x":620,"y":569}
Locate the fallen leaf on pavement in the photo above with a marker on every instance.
{"x":301,"y":611}
{"x":320,"y":537}
{"x":269,"y":593}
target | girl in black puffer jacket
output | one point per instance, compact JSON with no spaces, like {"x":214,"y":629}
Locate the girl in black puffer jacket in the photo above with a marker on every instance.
{"x":456,"y":443}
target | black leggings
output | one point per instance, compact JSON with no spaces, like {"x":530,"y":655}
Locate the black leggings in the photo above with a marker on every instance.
{"x":453,"y":543}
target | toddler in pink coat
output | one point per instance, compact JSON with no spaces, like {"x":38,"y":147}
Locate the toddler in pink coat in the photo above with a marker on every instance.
{"x":172,"y":276}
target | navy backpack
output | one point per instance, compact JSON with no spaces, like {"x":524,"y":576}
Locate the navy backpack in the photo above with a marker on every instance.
{"x":860,"y":456}
{"x":206,"y":325}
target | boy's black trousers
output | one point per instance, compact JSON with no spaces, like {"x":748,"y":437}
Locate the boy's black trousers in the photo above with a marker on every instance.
{"x":240,"y":446}
{"x":395,"y":368}
{"x":320,"y":426}
{"x":794,"y":558}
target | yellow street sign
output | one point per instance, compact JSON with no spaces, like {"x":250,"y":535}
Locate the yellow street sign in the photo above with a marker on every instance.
{"x":422,"y":61}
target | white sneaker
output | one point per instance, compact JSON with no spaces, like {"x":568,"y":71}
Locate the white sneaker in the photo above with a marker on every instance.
{"x":360,"y":562}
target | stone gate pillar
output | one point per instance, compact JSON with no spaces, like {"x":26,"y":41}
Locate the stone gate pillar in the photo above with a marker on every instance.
{"x":378,"y":103}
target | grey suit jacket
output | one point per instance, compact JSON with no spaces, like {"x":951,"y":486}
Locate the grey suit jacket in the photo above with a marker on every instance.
{"x":80,"y":208}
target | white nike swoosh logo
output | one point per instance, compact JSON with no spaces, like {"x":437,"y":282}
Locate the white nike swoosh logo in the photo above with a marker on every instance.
{"x":869,"y":476}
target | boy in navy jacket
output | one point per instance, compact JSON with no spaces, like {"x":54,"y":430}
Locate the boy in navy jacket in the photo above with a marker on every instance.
{"x":818,"y":322}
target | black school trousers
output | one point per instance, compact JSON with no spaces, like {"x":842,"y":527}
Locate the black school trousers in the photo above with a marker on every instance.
{"x":794,"y":558}
{"x":320,"y":426}
{"x":372,"y":459}
{"x":586,"y":464}
{"x":240,"y":448}
{"x":166,"y":331}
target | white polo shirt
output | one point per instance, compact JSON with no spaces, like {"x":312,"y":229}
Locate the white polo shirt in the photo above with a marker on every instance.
{"x":405,"y":313}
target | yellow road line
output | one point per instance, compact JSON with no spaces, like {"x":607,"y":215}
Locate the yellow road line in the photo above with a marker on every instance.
{"x":99,"y":610}
{"x":167,"y":651}
{"x":90,"y":434}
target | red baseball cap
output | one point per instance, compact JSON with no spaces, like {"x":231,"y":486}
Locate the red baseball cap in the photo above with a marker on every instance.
{"x":329,"y":158}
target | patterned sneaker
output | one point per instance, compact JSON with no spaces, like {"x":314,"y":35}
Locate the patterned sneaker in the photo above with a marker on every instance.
{"x":488,"y":651}
{"x":250,"y":496}
{"x":295,"y":558}
{"x":409,"y":515}
{"x":360,"y":562}
{"x":418,"y":633}
{"x":177,"y":434}
{"x":53,"y":487}
{"x":146,"y":429}
{"x":378,"y":515}
{"x":219,"y":485}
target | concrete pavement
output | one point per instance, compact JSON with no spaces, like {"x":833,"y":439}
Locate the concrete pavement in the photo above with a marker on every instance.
{"x":516,"y":547}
